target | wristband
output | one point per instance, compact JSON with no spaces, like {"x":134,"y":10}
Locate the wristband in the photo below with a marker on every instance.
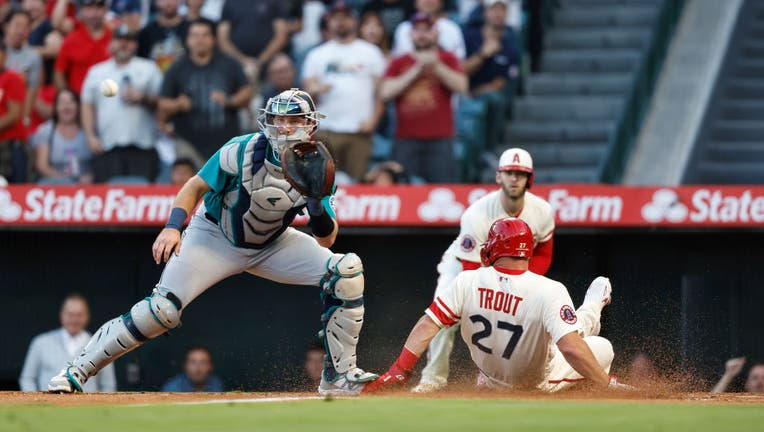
{"x":321,"y":225}
{"x":177,"y":218}
{"x":407,"y":360}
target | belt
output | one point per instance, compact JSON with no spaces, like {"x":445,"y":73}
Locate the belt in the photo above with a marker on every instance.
{"x":210,"y":218}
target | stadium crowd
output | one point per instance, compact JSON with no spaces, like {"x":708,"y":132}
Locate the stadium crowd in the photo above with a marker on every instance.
{"x":390,"y":75}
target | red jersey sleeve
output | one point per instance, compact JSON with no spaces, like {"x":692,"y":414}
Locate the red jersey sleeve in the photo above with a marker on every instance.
{"x":542,"y":257}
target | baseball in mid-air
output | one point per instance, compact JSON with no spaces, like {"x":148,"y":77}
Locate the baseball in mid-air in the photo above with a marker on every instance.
{"x":109,"y":88}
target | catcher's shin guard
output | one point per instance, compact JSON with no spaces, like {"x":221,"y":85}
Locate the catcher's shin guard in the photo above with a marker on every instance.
{"x":342,"y":319}
{"x":146,"y":320}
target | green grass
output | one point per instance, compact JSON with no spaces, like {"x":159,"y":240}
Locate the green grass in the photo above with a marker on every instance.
{"x":390,"y":415}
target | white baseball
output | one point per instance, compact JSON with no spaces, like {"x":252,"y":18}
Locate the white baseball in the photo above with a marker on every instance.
{"x":109,"y":88}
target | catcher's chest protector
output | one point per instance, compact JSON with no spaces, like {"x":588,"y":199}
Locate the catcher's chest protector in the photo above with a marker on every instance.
{"x":265,"y":203}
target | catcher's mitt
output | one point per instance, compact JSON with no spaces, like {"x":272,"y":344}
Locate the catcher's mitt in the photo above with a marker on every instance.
{"x":309,"y":168}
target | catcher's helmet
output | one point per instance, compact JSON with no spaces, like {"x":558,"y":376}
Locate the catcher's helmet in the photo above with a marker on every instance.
{"x":292,"y":102}
{"x":508,"y":237}
{"x":517,"y":159}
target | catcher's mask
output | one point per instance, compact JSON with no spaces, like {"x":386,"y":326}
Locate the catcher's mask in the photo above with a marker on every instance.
{"x":292,"y":102}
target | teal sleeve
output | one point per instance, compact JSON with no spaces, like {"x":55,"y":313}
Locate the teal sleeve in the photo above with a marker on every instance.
{"x":213,"y":174}
{"x":327,"y":203}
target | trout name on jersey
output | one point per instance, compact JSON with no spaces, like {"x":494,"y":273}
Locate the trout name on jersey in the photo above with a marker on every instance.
{"x":499,"y":301}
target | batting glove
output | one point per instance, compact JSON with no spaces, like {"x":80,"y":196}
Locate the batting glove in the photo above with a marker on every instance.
{"x":394,"y":378}
{"x":614,"y":384}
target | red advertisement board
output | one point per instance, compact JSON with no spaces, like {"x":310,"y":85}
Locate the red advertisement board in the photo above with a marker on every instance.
{"x":582,"y":205}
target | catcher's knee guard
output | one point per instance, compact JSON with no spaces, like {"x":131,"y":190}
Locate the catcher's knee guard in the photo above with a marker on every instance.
{"x":146,"y":320}
{"x":342,"y":319}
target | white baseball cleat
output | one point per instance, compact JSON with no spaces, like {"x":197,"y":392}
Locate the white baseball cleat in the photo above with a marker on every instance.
{"x":348,"y":384}
{"x":66,"y":382}
{"x":599,"y":292}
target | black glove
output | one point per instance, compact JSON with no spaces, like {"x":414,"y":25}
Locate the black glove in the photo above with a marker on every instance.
{"x":309,"y":168}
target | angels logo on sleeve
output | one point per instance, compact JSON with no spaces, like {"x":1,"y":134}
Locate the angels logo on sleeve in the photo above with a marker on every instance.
{"x":568,"y":314}
{"x":468,"y":243}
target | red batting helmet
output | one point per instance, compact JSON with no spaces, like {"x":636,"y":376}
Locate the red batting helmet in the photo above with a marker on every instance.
{"x":508,"y":237}
{"x":517,"y":159}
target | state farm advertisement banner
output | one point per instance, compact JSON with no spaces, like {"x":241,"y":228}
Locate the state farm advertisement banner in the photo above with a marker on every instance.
{"x":430,"y":205}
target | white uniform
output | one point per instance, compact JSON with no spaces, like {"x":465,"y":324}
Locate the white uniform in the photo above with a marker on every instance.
{"x":511,"y":321}
{"x":475,"y":223}
{"x":477,"y":220}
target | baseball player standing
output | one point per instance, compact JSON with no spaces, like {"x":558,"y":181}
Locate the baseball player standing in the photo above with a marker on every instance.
{"x":521,"y":328}
{"x":243,"y":226}
{"x":515,"y":175}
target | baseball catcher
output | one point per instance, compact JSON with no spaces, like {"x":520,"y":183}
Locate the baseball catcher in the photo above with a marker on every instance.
{"x":252,"y":188}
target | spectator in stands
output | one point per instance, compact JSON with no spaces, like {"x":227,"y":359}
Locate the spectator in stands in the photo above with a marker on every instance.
{"x":85,"y":46}
{"x":13,"y":165}
{"x":473,"y":13}
{"x":210,"y":9}
{"x":201,"y":95}
{"x":6,"y":7}
{"x":386,"y":174}
{"x":343,"y":74}
{"x":754,"y":383}
{"x":449,"y":34}
{"x":125,"y":12}
{"x":162,"y":40}
{"x":22,"y":58}
{"x":372,"y":30}
{"x":61,"y":150}
{"x":47,"y":42}
{"x":64,"y":19}
{"x":294,"y":19}
{"x":421,"y":83}
{"x":41,"y":35}
{"x":392,"y":13}
{"x":253,"y":32}
{"x":282,"y":75}
{"x":49,"y":350}
{"x":192,"y":9}
{"x":122,"y":130}
{"x":197,"y":374}
{"x":492,"y":62}
{"x":311,"y":32}
{"x":313,"y":366}
{"x":182,"y":170}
